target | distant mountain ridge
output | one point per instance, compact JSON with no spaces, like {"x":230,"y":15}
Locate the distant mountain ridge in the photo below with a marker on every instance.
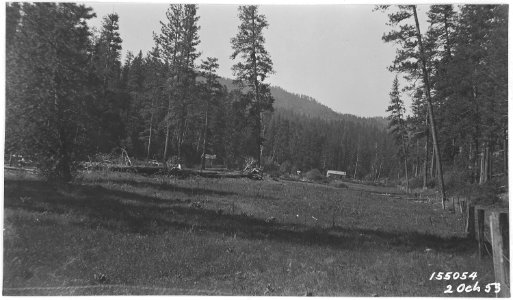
{"x":309,"y":107}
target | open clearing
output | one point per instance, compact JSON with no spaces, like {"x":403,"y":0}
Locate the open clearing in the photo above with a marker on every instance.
{"x":120,"y":233}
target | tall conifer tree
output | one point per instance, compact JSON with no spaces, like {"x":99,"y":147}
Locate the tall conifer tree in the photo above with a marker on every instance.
{"x":48,"y":85}
{"x":177,"y":44}
{"x":253,"y":68}
{"x":397,"y":125}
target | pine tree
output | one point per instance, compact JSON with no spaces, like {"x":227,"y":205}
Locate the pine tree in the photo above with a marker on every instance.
{"x":154,"y":96}
{"x":398,"y":127}
{"x":108,"y":50}
{"x":211,"y":91}
{"x":478,"y":76}
{"x":135,"y":88}
{"x":110,"y":104}
{"x":413,"y":58}
{"x":177,"y":44}
{"x":253,"y":68}
{"x":439,"y":47}
{"x":48,"y":85}
{"x":419,"y":122}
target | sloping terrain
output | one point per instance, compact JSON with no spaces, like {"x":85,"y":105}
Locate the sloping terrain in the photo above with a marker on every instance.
{"x":309,"y":107}
{"x":118,"y":233}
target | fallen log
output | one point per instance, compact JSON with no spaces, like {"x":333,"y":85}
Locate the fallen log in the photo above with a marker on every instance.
{"x":30,"y":170}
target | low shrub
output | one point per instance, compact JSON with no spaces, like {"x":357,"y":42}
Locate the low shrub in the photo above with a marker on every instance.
{"x":339,"y":184}
{"x":271,"y":167}
{"x":456,"y":180}
{"x":314,"y":175}
{"x":285,"y":167}
{"x":416,"y":182}
{"x":291,"y":177}
{"x":285,"y":176}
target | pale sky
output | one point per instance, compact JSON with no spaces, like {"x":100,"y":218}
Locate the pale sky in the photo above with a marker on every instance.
{"x":333,"y":53}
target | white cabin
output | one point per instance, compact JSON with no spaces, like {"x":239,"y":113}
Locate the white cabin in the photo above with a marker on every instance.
{"x":334,"y":173}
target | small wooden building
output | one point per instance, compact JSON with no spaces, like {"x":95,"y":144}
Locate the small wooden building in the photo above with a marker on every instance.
{"x":209,"y":160}
{"x":336,"y":174}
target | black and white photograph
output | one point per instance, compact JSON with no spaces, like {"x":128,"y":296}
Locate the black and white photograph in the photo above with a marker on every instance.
{"x":329,"y":149}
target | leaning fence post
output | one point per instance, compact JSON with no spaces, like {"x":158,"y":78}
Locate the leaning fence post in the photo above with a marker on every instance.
{"x":504,"y":226}
{"x":499,"y":263}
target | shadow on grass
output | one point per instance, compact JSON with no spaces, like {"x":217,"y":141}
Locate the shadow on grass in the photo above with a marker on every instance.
{"x":131,"y":212}
{"x":191,"y":191}
{"x":171,"y":187}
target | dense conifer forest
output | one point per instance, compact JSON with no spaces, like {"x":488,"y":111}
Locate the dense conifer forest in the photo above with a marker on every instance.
{"x":71,"y":98}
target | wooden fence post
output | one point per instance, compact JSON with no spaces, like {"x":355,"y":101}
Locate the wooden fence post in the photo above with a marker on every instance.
{"x":480,"y":231}
{"x":504,"y":226}
{"x":499,"y":263}
{"x":471,"y":221}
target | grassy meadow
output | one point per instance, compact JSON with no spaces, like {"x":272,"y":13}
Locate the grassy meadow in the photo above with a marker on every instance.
{"x":122,"y":233}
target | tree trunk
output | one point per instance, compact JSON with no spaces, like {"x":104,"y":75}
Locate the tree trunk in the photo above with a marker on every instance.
{"x":470,"y":162}
{"x":453,"y":152}
{"x":166,"y":145}
{"x":406,"y":175}
{"x":475,"y":162}
{"x":151,"y":131}
{"x":181,"y":133}
{"x":505,"y":155}
{"x":257,"y":95}
{"x":432,"y":167}
{"x":205,"y":129}
{"x":490,"y":161}
{"x":149,"y":141}
{"x":374,"y":171}
{"x":258,"y":129}
{"x":483,"y":174}
{"x":417,"y":160}
{"x":168,"y":129}
{"x":481,"y":167}
{"x":426,"y":159}
{"x":477,"y":132}
{"x":379,"y":171}
{"x":262,"y":135}
{"x":427,"y":90}
{"x":356,"y":166}
{"x":198,"y":144}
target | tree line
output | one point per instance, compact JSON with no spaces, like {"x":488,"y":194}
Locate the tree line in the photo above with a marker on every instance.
{"x":455,"y":75}
{"x":364,"y":150}
{"x":70,"y":97}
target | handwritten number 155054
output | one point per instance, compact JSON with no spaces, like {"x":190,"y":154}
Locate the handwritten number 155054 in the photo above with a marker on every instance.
{"x":453,"y":276}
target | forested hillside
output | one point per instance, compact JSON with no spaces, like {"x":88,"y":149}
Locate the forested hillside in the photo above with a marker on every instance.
{"x":362,"y":149}
{"x":303,"y":134}
{"x":70,"y":98}
{"x":306,"y":106}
